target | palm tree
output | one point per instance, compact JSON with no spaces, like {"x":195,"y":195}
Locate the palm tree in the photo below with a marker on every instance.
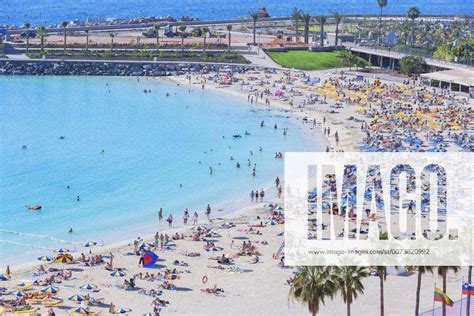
{"x":205,"y":30}
{"x":404,"y":30}
{"x":254,"y":15}
{"x":157,"y":34}
{"x":64,"y":25}
{"x":42,"y":34}
{"x":337,"y":19}
{"x":420,"y":271}
{"x":413,"y":13}
{"x":306,"y":17}
{"x":296,"y":17}
{"x":382,"y":4}
{"x":182,"y":29}
{"x":349,"y":282}
{"x":27,"y":27}
{"x":229,"y":28}
{"x":112,"y":35}
{"x":311,"y":285}
{"x":87,"y":40}
{"x":469,"y":279}
{"x":382,"y":272}
{"x":443,"y":272}
{"x":321,"y":19}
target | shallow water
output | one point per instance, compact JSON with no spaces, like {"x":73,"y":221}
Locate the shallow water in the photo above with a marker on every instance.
{"x":125,"y":153}
{"x":54,"y":11}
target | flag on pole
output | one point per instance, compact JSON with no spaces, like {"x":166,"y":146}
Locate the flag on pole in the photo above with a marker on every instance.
{"x":467,"y":289}
{"x":439,"y":296}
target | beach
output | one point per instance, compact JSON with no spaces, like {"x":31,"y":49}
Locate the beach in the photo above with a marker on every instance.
{"x":254,"y":288}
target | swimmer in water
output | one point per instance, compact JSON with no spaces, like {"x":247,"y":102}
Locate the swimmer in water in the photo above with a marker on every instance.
{"x":237,"y":165}
{"x":262,"y":123}
{"x":167,"y":94}
{"x":231,"y":158}
{"x":70,"y":231}
{"x":78,"y":198}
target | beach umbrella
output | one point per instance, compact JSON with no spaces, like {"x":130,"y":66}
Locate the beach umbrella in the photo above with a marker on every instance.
{"x":136,"y":241}
{"x":24,"y":285}
{"x":146,"y":245}
{"x":18,"y":293}
{"x":77,"y":298}
{"x":199,"y":229}
{"x":50,"y":290}
{"x":4,"y":277}
{"x":149,"y":259}
{"x":214,"y":249}
{"x":122,"y":311}
{"x":89,"y":287}
{"x":90,"y":244}
{"x":117,"y":274}
{"x":64,"y":258}
{"x":45,"y":258}
{"x":80,"y":311}
{"x":61,"y":250}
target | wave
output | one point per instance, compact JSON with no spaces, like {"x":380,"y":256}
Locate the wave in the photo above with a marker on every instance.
{"x":24,"y":245}
{"x":12,"y":232}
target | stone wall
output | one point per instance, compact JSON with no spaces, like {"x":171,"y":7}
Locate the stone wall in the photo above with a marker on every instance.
{"x":114,"y":68}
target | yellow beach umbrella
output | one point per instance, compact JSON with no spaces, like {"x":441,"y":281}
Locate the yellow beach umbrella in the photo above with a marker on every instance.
{"x":64,"y":258}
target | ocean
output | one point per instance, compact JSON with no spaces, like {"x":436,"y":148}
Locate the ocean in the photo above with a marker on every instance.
{"x":125,"y":153}
{"x":48,"y":12}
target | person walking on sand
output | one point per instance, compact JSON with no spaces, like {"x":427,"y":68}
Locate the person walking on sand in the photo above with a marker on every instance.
{"x":336,"y":136}
{"x":160,"y":214}
{"x":157,"y":240}
{"x":195,"y":218}
{"x":170,"y":220}
{"x":277,"y":182}
{"x":142,"y":257}
{"x":186,"y":217}
{"x":262,"y":194}
{"x":208,"y":212}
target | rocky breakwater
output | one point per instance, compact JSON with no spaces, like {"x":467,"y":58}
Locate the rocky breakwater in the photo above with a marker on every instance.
{"x":101,"y":68}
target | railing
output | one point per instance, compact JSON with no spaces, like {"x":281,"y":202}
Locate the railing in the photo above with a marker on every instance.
{"x":399,"y":53}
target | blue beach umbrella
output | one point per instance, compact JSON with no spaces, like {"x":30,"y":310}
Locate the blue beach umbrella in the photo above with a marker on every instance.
{"x":50,"y":289}
{"x":61,"y":250}
{"x":122,"y":311}
{"x":90,"y":244}
{"x":4,"y":277}
{"x":89,"y":287}
{"x":18,"y":293}
{"x":80,"y":311}
{"x":117,"y":274}
{"x":214,"y":249}
{"x":199,"y":229}
{"x":45,"y":258}
{"x":76,"y":298}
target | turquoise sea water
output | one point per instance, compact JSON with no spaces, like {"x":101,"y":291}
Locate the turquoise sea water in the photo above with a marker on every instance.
{"x":151,"y":144}
{"x":55,"y":11}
